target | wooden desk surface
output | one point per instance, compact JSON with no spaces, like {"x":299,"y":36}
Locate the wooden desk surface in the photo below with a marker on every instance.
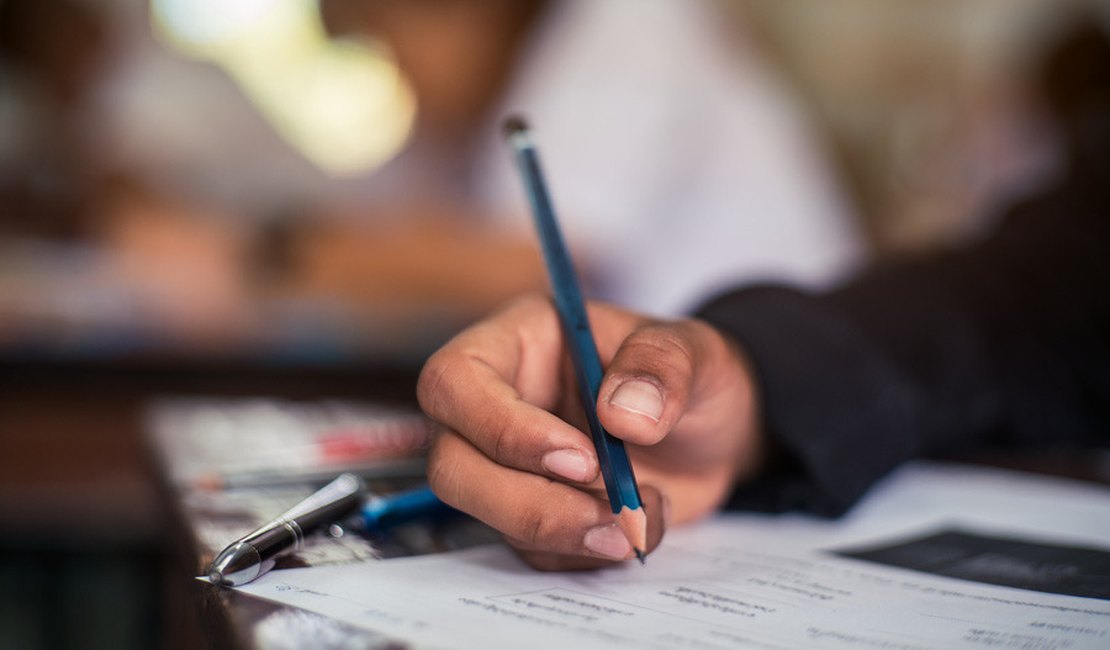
{"x":81,"y":496}
{"x":198,"y":524}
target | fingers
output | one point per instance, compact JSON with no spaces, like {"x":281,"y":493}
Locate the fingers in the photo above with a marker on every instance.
{"x":554,"y":524}
{"x":679,"y":391}
{"x":654,"y":504}
{"x":493,"y":383}
{"x":687,"y":395}
{"x":492,"y":387}
{"x":648,"y":384}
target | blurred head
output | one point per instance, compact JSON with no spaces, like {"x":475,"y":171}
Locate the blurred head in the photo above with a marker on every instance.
{"x":59,"y":43}
{"x":457,"y":54}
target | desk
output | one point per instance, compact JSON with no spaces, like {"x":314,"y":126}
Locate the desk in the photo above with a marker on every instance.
{"x":233,"y":620}
{"x":191,"y":436}
{"x":935,"y":556}
{"x":236,"y":620}
{"x":90,"y":554}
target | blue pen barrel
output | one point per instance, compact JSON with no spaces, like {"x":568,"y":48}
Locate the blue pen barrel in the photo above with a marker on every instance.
{"x":383,"y":512}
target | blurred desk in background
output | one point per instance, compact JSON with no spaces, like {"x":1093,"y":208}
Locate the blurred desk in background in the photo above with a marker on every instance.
{"x":86,"y":558}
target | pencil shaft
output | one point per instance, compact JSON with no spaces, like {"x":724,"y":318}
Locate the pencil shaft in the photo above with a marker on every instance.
{"x":381,"y":513}
{"x":616,"y":470}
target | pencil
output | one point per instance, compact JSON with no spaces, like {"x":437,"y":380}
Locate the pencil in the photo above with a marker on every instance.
{"x":620,"y":482}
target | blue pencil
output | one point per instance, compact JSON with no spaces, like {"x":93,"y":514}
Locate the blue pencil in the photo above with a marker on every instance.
{"x":620,"y":482}
{"x":380,"y":513}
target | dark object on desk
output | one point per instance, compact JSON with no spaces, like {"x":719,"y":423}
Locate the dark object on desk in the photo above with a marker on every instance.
{"x":1025,"y":564}
{"x":255,"y":554}
{"x":620,"y":483}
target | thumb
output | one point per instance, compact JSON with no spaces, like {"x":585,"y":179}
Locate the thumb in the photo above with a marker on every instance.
{"x":648,"y":383}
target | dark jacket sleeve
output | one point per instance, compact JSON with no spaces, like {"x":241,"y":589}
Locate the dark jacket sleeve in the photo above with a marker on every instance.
{"x":1007,"y":343}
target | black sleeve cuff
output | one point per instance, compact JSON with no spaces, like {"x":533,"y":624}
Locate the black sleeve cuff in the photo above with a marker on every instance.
{"x":837,"y":414}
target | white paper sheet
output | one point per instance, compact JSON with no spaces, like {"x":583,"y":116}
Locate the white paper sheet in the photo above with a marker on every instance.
{"x":755,"y":581}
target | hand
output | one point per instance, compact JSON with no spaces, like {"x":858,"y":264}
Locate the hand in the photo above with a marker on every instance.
{"x":678,"y":393}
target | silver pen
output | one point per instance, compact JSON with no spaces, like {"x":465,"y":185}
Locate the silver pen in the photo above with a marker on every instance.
{"x":249,"y":557}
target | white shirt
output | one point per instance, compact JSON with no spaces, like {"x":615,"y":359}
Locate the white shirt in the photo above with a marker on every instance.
{"x":677,"y":164}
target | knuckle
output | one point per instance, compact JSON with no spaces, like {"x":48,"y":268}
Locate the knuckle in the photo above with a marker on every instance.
{"x":433,"y":381}
{"x":443,"y":474}
{"x":669,"y":339}
{"x":534,"y":529}
{"x":662,"y":350}
{"x":499,"y":438}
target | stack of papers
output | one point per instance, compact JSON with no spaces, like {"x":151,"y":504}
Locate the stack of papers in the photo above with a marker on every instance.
{"x":937,"y":556}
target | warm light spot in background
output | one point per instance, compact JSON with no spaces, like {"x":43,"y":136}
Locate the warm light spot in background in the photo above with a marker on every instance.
{"x":341,"y":103}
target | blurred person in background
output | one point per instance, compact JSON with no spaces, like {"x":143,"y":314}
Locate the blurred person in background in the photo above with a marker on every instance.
{"x":95,"y":248}
{"x":663,"y":131}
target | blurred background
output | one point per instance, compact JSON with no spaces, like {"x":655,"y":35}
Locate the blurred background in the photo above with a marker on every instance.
{"x":304,"y":197}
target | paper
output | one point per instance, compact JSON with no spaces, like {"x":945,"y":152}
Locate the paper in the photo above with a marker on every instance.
{"x":770,"y":582}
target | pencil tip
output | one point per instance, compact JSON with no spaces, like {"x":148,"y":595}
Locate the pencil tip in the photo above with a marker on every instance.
{"x":514,"y":124}
{"x":639,"y":555}
{"x":634,"y":525}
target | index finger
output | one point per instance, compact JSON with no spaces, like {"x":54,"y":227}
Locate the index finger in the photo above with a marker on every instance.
{"x":493,"y":384}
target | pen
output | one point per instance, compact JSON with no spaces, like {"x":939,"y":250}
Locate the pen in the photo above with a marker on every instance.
{"x":249,"y":557}
{"x":380,"y":468}
{"x":620,"y":483}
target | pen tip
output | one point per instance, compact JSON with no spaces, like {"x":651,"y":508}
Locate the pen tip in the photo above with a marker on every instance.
{"x":236,"y":565}
{"x":514,"y":124}
{"x":640,"y":555}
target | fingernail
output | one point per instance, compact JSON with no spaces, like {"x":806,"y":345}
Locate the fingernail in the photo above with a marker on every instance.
{"x":569,"y":463}
{"x":640,"y":397}
{"x":608,"y":541}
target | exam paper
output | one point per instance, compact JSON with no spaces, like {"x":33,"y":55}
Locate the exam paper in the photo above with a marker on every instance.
{"x":882,"y":577}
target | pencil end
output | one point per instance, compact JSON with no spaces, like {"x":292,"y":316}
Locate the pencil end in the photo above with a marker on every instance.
{"x":514,"y":124}
{"x":640,"y":555}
